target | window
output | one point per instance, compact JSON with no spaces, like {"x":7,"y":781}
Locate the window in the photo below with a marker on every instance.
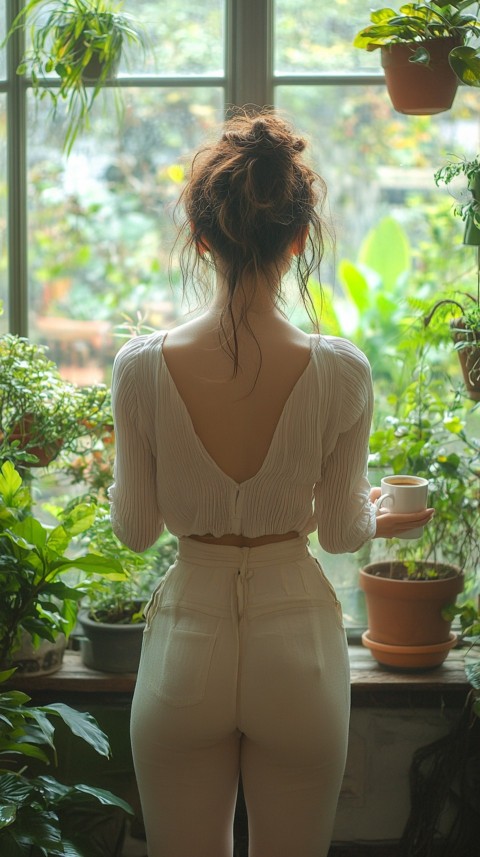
{"x":86,"y":240}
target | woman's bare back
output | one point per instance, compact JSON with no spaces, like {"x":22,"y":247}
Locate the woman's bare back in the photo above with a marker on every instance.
{"x":235,"y":418}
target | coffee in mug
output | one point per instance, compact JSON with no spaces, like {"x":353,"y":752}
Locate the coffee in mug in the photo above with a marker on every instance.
{"x":402,"y":494}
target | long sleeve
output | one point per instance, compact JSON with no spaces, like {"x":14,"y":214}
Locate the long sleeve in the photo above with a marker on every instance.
{"x":136,"y":518}
{"x":346,"y":517}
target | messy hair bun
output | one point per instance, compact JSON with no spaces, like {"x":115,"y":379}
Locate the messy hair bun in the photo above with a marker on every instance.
{"x":248,"y":197}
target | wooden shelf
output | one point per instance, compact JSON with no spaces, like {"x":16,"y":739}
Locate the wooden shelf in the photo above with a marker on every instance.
{"x":371,"y":684}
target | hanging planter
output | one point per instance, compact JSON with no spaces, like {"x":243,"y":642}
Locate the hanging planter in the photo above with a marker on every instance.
{"x":82,"y":42}
{"x":465,"y":329}
{"x":419,"y":89}
{"x":425,"y":53}
{"x":467,"y":346}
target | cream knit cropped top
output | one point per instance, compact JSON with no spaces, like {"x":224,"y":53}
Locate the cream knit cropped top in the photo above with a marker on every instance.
{"x":314,"y":475}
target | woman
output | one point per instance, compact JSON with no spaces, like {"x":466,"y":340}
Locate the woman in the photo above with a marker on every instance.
{"x":242,"y":434}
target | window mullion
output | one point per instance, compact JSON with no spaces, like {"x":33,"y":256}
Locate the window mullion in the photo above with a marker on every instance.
{"x":17,"y":179}
{"x":249,"y":52}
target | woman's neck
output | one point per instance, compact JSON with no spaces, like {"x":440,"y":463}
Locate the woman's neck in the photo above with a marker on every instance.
{"x":254,"y":297}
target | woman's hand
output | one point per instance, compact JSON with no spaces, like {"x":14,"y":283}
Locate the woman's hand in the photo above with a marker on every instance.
{"x":393,"y":524}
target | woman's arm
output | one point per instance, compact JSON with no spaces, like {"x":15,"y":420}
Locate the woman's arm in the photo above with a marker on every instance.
{"x":136,"y":518}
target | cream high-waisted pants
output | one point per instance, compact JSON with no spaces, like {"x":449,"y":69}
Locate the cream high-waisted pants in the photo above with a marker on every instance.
{"x":244,"y":668}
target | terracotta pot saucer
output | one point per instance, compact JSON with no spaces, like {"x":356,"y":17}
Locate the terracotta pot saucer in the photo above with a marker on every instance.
{"x":409,"y":657}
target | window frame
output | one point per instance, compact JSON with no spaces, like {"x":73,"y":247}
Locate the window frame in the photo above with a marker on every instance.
{"x":248,"y":78}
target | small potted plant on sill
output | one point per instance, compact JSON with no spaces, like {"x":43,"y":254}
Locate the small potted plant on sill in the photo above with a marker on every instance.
{"x":414,"y":581}
{"x":38,"y":601}
{"x":112,"y":620}
{"x":41,"y":413}
{"x":38,"y":813}
{"x":425,"y":52}
{"x":81,"y":41}
{"x":466,"y":328}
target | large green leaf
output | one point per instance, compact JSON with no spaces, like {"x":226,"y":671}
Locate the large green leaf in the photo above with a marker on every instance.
{"x":81,"y":724}
{"x":386,"y":250}
{"x":44,"y":728}
{"x":10,"y":482}
{"x":23,"y":749}
{"x":15,"y":789}
{"x":104,"y":796}
{"x":80,"y":518}
{"x":32,"y":531}
{"x":95,"y":564}
{"x":465,"y":62}
{"x":13,"y":698}
{"x":52,"y":789}
{"x":355,"y":284}
{"x":40,"y":829}
{"x":58,"y":541}
{"x":8,"y":812}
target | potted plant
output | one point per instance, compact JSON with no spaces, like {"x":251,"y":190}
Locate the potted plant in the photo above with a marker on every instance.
{"x":38,"y":813}
{"x":426,"y":436}
{"x":425,"y":52}
{"x":36,"y":596}
{"x":81,"y":41}
{"x":112,"y":620}
{"x":40,"y":412}
{"x":466,"y":328}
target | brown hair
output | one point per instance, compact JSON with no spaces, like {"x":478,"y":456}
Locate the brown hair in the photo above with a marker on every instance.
{"x":248,"y":197}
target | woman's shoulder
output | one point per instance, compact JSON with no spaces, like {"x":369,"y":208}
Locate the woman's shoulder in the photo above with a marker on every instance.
{"x":348,"y":356}
{"x":144,"y":344}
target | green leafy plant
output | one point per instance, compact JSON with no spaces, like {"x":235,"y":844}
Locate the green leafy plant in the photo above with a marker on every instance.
{"x":468,"y":615}
{"x":470,"y":170}
{"x":40,"y":412}
{"x":123,"y":601}
{"x":35,"y":595}
{"x":466,"y":329}
{"x":38,"y":814}
{"x":427,"y":434}
{"x":420,"y":22}
{"x":82,"y":41}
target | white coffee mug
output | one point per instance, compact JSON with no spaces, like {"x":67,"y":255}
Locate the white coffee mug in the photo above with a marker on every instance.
{"x":402,"y":493}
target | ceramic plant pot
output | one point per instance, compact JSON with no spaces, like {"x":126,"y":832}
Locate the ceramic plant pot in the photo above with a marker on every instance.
{"x":44,"y":659}
{"x":418,"y":89}
{"x":405,"y":616}
{"x":111,"y":648}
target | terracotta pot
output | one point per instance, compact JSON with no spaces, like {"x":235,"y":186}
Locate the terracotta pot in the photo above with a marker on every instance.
{"x":23,"y":432}
{"x":409,"y":657}
{"x":469,"y":357}
{"x":419,"y":89}
{"x":403,"y":612}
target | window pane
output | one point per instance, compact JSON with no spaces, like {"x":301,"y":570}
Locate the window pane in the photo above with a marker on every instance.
{"x":185,"y":38}
{"x":312,"y":37}
{"x":100,"y":221}
{"x":372,"y":158}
